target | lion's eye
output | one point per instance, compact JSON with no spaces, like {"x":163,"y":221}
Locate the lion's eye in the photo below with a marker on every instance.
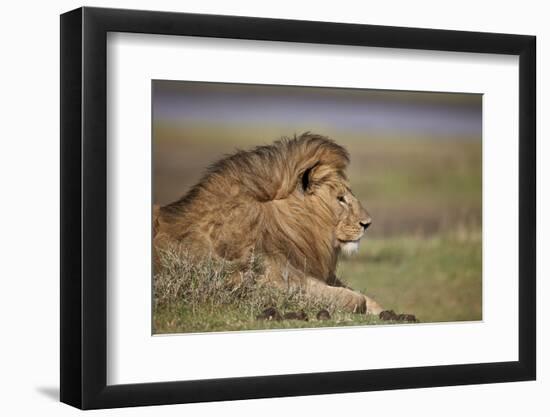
{"x":341,"y":199}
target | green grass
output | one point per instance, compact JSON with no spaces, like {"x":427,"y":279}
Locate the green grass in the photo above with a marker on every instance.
{"x":436,"y":278}
{"x":179,"y":319}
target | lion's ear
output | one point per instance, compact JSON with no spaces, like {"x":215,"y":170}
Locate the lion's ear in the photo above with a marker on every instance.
{"x":307,"y":178}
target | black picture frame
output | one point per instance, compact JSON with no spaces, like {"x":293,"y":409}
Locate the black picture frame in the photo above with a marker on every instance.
{"x":84,"y":207}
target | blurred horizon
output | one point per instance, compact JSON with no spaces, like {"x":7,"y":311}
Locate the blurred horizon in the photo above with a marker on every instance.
{"x":370,"y":112}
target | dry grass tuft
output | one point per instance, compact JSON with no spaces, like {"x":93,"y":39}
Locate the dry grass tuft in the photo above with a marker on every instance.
{"x":199,"y":284}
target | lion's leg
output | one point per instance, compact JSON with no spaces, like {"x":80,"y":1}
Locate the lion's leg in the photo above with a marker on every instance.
{"x":335,"y":293}
{"x":341,"y":297}
{"x":372,"y":306}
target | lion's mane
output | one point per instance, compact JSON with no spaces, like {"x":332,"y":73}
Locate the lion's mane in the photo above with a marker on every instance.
{"x":254,"y":201}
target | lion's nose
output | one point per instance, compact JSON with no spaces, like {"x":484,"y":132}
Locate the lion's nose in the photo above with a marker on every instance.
{"x":365,"y":223}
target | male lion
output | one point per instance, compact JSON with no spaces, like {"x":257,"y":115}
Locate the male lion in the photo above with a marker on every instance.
{"x":290,"y":202}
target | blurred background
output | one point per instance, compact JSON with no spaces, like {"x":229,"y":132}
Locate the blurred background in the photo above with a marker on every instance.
{"x":415,"y":165}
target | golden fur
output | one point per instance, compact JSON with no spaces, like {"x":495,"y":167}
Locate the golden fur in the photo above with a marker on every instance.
{"x":289,"y":201}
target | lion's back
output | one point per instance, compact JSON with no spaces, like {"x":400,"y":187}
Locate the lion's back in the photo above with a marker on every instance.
{"x":227,"y":228}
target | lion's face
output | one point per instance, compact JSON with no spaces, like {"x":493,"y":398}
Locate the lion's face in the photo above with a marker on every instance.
{"x":351,"y":220}
{"x":331,"y":196}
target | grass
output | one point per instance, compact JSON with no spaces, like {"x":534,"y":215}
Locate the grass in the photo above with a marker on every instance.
{"x":179,"y":320}
{"x":437,"y":279}
{"x":194,"y":296}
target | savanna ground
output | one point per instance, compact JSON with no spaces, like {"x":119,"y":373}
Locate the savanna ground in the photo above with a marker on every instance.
{"x":422,"y":254}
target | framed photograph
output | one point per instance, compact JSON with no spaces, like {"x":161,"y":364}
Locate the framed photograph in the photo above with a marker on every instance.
{"x":258,"y":208}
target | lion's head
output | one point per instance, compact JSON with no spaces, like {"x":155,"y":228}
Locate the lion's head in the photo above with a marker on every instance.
{"x":291,"y":201}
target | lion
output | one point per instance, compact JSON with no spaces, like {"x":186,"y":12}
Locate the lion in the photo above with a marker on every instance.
{"x":290,"y":202}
